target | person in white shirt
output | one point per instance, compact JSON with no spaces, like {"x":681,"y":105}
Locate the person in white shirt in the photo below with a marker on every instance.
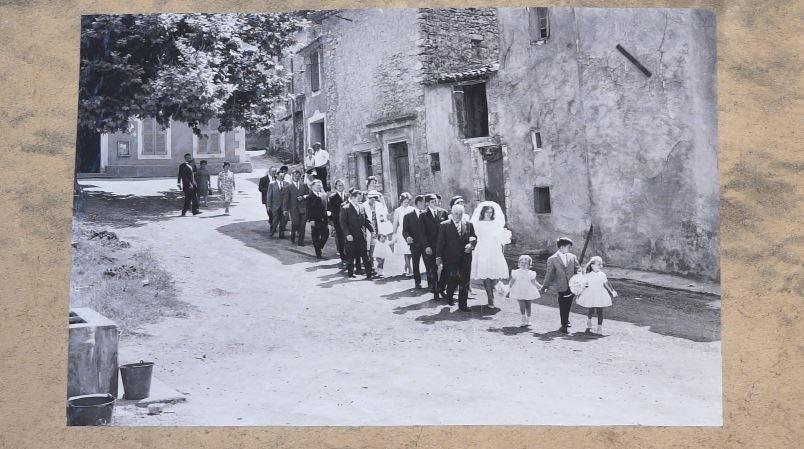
{"x":321,"y":163}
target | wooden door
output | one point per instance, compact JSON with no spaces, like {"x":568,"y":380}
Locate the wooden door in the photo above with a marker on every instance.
{"x":399,"y":155}
{"x":495,"y":178}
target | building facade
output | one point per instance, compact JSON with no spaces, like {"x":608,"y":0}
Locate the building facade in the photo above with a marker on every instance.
{"x":147,"y":150}
{"x":567,"y":117}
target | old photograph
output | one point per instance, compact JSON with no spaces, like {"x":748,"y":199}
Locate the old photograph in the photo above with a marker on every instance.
{"x":394,"y":217}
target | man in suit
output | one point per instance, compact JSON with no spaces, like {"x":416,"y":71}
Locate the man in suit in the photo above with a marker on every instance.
{"x":334,"y":205}
{"x":413,"y":231}
{"x":273,"y":203}
{"x":354,"y":223}
{"x":561,"y":266}
{"x":294,"y":206}
{"x":456,"y":241}
{"x":318,"y":214}
{"x":265,"y":181}
{"x":431,"y":219}
{"x":187,"y":184}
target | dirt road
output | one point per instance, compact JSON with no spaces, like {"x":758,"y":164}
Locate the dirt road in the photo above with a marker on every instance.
{"x":276,"y":337}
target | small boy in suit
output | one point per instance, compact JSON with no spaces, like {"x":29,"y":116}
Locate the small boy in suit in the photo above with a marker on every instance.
{"x":561,"y":266}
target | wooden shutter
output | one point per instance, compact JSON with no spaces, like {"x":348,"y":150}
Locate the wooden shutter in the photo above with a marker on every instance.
{"x":352,"y":170}
{"x":148,"y":131}
{"x":376,"y":167}
{"x":160,"y":139}
{"x":460,"y":109}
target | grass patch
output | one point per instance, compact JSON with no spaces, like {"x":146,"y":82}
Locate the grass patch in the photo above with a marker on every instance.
{"x":121,"y":282}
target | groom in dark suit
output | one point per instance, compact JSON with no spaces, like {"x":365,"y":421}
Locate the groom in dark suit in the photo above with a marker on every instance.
{"x":456,"y":241}
{"x":186,"y":182}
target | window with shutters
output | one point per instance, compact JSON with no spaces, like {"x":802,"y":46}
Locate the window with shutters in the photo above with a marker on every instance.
{"x":539,"y":25}
{"x":211,"y":141}
{"x":315,"y":71}
{"x":153,"y":142}
{"x":541,"y":200}
{"x":471,"y":110}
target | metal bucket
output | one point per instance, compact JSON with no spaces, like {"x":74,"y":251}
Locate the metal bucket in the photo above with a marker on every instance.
{"x":90,"y":410}
{"x":136,"y":379}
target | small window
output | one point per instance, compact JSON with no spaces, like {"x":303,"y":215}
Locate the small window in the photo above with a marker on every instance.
{"x":539,"y":24}
{"x":315,"y":71}
{"x":541,"y":200}
{"x":536,"y":139}
{"x":477,"y":48}
{"x":471,"y":108}
{"x":210,"y":140}
{"x":435,"y":162}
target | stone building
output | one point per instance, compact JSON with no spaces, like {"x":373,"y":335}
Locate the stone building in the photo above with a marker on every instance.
{"x":147,"y":150}
{"x":565,"y":116}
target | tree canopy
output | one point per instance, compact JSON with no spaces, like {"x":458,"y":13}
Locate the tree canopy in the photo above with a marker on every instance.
{"x":185,"y":67}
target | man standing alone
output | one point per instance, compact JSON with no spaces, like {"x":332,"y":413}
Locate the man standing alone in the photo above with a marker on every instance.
{"x":321,"y":163}
{"x":561,"y":266}
{"x":186,"y":182}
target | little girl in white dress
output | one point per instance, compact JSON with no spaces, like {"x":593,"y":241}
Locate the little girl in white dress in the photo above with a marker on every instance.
{"x":524,"y":288}
{"x":597,"y":294}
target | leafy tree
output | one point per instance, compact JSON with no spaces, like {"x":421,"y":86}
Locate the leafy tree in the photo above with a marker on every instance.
{"x":185,"y":67}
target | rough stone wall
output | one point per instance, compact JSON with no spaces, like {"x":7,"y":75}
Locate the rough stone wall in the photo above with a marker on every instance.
{"x":372,"y":73}
{"x":446,"y":39}
{"x":643,"y":149}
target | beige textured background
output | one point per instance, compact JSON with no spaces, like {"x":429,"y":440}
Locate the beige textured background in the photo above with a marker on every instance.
{"x":760,"y":48}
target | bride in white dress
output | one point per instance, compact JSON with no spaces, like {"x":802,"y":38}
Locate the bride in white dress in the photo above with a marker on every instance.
{"x":488,"y":262}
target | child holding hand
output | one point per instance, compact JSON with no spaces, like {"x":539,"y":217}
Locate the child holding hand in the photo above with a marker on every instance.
{"x":597,"y":294}
{"x":524,"y":288}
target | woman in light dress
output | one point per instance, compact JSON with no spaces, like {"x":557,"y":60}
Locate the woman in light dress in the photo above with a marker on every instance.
{"x":401,"y":247}
{"x":488,"y":261}
{"x":226,"y":185}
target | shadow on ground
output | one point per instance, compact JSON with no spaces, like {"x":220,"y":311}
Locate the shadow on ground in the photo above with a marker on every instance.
{"x":108,"y":209}
{"x":453,"y":314}
{"x":255,"y":234}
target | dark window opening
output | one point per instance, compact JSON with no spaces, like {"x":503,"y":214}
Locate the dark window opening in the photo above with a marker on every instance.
{"x":539,"y":24}
{"x":435,"y":162}
{"x":541,"y":200}
{"x":477,"y":48}
{"x":536,"y":140}
{"x":471,"y":109}
{"x":315,"y":80}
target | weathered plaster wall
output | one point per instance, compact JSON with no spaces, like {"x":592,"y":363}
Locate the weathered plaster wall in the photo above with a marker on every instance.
{"x":538,"y":90}
{"x":643,"y":148}
{"x":651,"y":141}
{"x":372,"y":73}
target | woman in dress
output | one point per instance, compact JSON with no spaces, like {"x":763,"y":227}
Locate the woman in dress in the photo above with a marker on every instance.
{"x":226,"y":184}
{"x":401,"y":247}
{"x":202,"y":181}
{"x":488,"y":262}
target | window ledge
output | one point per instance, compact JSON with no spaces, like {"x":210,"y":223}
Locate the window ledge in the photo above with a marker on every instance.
{"x":155,"y":156}
{"x":315,"y":93}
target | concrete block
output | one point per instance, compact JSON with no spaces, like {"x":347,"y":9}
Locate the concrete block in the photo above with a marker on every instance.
{"x":91,"y":354}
